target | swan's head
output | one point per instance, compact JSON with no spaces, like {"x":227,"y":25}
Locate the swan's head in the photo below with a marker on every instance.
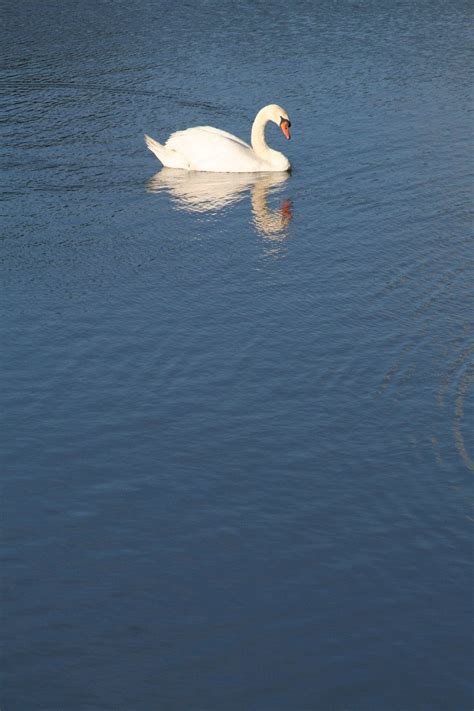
{"x":281,"y":118}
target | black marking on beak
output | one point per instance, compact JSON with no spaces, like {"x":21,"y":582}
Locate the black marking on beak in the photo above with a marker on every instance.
{"x":286,"y":121}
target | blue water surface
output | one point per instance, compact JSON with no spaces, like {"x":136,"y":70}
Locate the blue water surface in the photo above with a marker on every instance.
{"x":237,"y":437}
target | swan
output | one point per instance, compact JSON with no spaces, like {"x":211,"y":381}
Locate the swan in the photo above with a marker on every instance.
{"x":205,"y":148}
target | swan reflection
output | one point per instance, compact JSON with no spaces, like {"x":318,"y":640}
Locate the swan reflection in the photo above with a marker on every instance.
{"x":210,"y":192}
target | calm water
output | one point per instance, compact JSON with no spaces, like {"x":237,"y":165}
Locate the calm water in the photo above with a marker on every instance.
{"x":238,"y":445}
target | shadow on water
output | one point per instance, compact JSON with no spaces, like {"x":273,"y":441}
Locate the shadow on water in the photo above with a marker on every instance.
{"x":196,"y":192}
{"x":453,"y":389}
{"x":457,"y":384}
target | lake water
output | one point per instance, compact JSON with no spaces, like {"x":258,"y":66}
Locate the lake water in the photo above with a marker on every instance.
{"x":238,"y":444}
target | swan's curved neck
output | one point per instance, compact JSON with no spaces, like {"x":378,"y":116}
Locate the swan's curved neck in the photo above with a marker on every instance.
{"x":257,"y":137}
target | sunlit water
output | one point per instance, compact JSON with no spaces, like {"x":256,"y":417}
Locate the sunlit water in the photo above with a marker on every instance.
{"x":237,"y":444}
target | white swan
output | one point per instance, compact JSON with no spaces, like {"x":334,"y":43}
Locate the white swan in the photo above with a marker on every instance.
{"x":204,"y":148}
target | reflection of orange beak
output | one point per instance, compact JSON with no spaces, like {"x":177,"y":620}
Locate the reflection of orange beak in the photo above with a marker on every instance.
{"x":286,"y":129}
{"x":286,"y":210}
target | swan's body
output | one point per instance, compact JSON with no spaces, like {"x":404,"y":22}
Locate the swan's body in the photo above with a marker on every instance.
{"x":204,"y":148}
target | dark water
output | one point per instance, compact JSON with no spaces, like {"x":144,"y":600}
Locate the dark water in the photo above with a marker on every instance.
{"x":237,"y":444}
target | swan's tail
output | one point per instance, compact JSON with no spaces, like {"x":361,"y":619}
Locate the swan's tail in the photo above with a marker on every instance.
{"x":169,"y":157}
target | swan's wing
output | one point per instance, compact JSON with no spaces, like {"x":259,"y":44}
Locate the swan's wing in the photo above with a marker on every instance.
{"x":201,"y":133}
{"x":223,"y":134}
{"x":211,"y":149}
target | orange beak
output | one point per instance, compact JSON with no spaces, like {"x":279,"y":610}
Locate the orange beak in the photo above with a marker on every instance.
{"x":285,"y":127}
